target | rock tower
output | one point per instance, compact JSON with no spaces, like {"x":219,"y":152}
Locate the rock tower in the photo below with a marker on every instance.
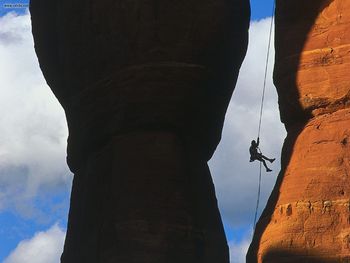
{"x":145,"y":85}
{"x":307,"y":218}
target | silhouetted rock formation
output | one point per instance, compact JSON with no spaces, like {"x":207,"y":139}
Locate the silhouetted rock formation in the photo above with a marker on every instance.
{"x":145,"y":85}
{"x":307,"y":217}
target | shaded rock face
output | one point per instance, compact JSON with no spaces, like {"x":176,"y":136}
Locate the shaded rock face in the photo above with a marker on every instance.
{"x":307,"y":218}
{"x":145,"y":85}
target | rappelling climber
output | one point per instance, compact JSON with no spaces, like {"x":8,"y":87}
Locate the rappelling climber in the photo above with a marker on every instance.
{"x":255,"y":155}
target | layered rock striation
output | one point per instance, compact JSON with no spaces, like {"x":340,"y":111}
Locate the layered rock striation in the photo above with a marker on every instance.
{"x":145,"y":86}
{"x":307,"y":218}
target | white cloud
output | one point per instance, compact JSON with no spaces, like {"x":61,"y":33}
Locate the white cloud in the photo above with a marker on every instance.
{"x":236,"y":179}
{"x":238,"y":250}
{"x":33,"y":129}
{"x":13,"y":29}
{"x":44,"y":247}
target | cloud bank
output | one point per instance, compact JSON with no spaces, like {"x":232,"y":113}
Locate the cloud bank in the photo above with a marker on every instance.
{"x":32,"y":123}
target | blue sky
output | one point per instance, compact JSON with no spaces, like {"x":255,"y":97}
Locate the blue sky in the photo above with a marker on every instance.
{"x":261,"y":8}
{"x":25,"y":213}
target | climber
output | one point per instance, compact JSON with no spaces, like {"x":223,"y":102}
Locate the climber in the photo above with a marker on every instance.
{"x":255,"y":155}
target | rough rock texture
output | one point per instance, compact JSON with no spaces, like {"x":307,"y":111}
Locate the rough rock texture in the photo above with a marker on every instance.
{"x":145,"y":85}
{"x":307,"y":218}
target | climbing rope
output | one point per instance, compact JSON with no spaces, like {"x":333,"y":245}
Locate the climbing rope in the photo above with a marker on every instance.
{"x":257,"y":200}
{"x":266,"y":67}
{"x":261,"y":109}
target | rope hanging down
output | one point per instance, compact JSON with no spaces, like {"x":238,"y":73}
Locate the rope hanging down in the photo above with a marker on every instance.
{"x":258,"y":199}
{"x":262,"y":107}
{"x":266,"y":67}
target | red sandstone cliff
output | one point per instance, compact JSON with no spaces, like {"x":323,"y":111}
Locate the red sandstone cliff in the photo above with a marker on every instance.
{"x":145,"y":85}
{"x":307,"y":218}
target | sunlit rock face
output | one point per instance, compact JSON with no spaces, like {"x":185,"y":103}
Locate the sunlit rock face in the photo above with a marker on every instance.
{"x":145,"y":85}
{"x":307,"y":218}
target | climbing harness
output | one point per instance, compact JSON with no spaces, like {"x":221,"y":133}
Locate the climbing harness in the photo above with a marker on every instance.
{"x":261,"y":110}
